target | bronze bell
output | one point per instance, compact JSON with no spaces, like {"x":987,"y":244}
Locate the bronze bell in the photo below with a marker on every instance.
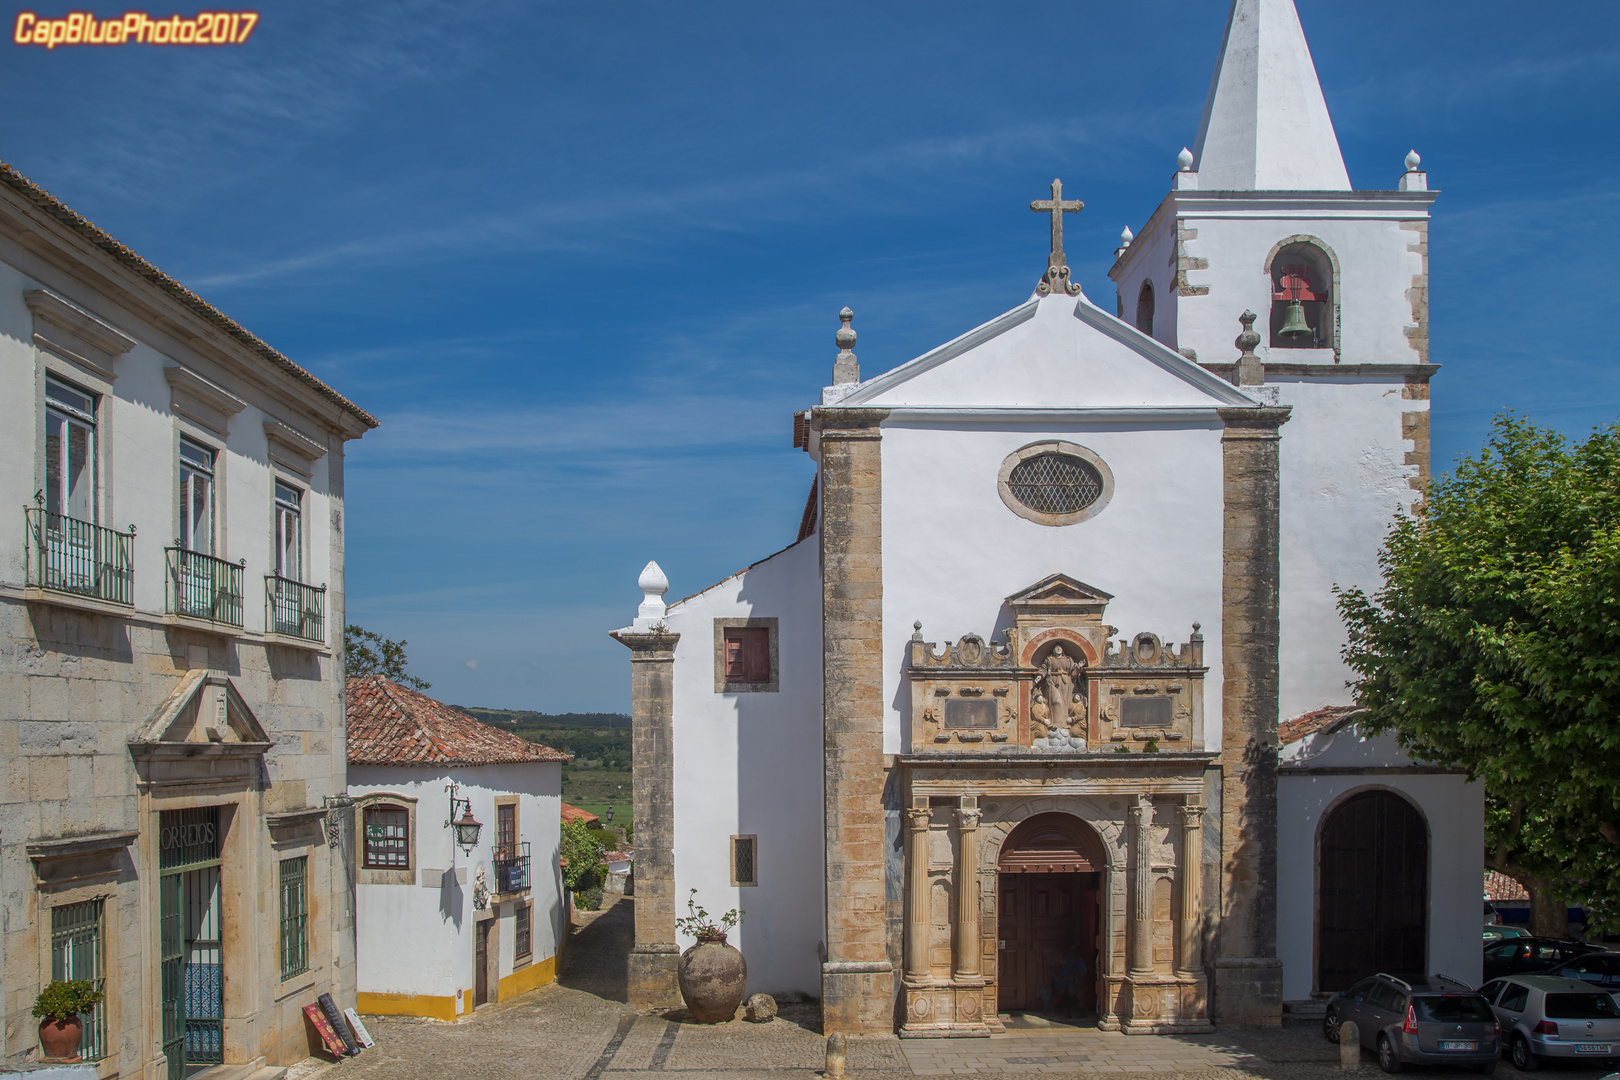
{"x":1295,"y":325}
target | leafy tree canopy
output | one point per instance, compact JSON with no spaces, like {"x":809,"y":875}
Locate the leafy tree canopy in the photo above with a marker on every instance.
{"x":583,"y":856}
{"x":1494,"y":644}
{"x":365,"y":653}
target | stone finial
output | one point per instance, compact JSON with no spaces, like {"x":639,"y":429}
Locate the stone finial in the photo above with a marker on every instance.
{"x":845,"y":367}
{"x":653,"y":585}
{"x":916,"y":630}
{"x":1414,"y":179}
{"x":1250,"y":371}
{"x":1126,"y":237}
{"x":1184,"y":160}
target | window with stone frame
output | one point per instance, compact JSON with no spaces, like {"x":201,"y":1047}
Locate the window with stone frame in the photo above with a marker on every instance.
{"x":70,"y":450}
{"x":745,"y":655}
{"x":745,"y":860}
{"x":387,"y":837}
{"x":523,"y":931}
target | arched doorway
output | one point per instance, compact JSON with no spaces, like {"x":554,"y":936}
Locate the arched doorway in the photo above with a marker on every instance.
{"x":1372,"y":891}
{"x":1049,"y":877}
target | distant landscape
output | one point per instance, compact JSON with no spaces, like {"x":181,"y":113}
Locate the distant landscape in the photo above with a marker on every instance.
{"x":599,"y":775}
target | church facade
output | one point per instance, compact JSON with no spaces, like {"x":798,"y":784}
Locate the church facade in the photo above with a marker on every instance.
{"x":1000,"y":732}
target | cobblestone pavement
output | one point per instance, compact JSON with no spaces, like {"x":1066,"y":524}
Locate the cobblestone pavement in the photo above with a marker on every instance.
{"x":581,"y":1029}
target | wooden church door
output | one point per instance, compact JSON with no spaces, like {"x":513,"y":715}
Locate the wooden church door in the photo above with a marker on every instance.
{"x":1372,"y":893}
{"x":1047,"y":934}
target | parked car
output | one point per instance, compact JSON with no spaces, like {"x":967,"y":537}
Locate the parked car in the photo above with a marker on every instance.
{"x":1437,"y":1022}
{"x":1496,"y":932}
{"x":1543,"y":1016}
{"x":1601,"y":970}
{"x":1526,"y":954}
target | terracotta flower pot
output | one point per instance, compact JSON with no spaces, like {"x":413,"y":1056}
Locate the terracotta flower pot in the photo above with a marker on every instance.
{"x":713,"y":978}
{"x":59,"y":1039}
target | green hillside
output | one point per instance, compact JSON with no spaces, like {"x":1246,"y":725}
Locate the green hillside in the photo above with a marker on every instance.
{"x":599,"y":775}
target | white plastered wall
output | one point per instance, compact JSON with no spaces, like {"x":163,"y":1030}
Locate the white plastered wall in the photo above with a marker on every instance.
{"x":750,"y":764}
{"x":418,"y":938}
{"x":1454,"y":811}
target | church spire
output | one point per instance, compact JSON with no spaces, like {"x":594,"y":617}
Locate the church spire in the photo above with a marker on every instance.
{"x":1266,"y":125}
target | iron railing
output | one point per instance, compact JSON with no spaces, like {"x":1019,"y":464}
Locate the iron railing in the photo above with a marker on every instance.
{"x":512,"y":867}
{"x":203,"y":587}
{"x":294,"y":609}
{"x":72,"y":556}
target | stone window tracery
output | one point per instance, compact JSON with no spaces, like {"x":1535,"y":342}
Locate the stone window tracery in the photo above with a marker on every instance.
{"x":1055,"y":483}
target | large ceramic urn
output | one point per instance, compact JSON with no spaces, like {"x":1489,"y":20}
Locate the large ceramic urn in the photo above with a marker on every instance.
{"x":713,"y":978}
{"x":59,"y":1039}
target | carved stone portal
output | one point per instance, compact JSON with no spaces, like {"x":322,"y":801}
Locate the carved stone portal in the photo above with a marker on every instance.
{"x":1059,"y":684}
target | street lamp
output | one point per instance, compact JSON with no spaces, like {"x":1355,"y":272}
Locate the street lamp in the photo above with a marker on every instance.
{"x":467,"y":828}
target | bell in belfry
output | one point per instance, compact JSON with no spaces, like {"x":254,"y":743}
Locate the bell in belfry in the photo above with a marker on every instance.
{"x":1295,"y":325}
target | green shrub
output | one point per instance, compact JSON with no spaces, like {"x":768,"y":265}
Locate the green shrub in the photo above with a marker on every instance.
{"x":590,"y":899}
{"x":60,"y":1000}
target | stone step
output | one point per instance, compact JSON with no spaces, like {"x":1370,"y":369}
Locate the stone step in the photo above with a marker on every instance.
{"x":1305,"y":1010}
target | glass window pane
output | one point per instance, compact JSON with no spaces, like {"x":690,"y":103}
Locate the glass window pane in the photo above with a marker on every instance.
{"x":198,"y":457}
{"x":55,"y":465}
{"x":80,"y":471}
{"x":71,"y":397}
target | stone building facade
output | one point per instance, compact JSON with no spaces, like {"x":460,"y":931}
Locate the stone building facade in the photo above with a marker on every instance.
{"x":999,"y":733}
{"x":171,"y":704}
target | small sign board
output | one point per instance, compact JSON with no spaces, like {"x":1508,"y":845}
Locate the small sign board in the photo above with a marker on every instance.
{"x":360,"y":1031}
{"x":335,"y":1018}
{"x":334,"y":1045}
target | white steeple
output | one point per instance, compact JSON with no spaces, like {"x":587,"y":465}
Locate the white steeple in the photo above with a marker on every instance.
{"x":1266,"y":126}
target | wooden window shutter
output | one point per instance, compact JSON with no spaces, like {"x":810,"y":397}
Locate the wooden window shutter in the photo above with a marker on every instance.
{"x":757,"y":654}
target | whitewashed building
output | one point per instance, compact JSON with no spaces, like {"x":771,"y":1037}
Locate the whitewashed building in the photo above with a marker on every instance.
{"x":445,"y":925}
{"x":1000,"y":731}
{"x":171,"y":694}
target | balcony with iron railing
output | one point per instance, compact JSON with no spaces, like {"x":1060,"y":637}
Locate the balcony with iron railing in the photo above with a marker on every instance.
{"x":203,"y":587}
{"x":79,"y":558}
{"x":295,"y":610}
{"x":512,"y":867}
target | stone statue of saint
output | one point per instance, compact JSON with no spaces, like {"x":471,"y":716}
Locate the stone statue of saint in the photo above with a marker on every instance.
{"x":1058,"y":677}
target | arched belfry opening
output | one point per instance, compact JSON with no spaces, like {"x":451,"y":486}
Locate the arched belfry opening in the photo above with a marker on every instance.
{"x":1144,"y":308}
{"x":1049,"y":879}
{"x":1372,"y":891}
{"x":1303,"y":305}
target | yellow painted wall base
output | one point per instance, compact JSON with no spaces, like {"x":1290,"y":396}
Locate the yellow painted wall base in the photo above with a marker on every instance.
{"x":539,"y":973}
{"x":430,"y":1005}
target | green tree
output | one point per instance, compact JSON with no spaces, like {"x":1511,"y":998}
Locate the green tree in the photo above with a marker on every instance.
{"x":583,"y":855}
{"x":1494,"y":644}
{"x":365,"y":653}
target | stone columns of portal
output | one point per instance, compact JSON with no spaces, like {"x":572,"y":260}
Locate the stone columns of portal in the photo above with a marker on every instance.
{"x":965,"y":944}
{"x":1248,"y":974}
{"x":857,"y":977}
{"x":1140,"y":937}
{"x":918,"y":819}
{"x":1190,"y":920}
{"x":653,"y":958}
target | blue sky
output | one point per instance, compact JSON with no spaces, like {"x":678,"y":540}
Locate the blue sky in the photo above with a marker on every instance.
{"x":585,"y":260}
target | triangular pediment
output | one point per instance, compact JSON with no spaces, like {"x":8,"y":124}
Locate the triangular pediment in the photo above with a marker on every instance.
{"x":1059,"y":589}
{"x":204,"y":710}
{"x":1053,"y":354}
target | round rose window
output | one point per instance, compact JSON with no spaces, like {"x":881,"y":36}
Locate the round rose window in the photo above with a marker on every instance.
{"x":1055,"y":483}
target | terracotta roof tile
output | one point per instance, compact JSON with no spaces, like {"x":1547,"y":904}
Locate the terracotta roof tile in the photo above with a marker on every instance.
{"x":391,"y":725}
{"x":574,"y":813}
{"x":1329,"y":716}
{"x":76,"y":222}
{"x":1502,"y":887}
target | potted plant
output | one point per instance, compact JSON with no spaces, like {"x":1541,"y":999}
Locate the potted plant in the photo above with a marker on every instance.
{"x":58,"y":1007}
{"x":713,"y":975}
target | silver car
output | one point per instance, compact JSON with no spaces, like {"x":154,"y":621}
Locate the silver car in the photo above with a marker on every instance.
{"x":1543,"y":1016}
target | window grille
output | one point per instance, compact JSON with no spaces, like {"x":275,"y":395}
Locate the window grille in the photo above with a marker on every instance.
{"x":78,"y":952}
{"x":387,"y":838}
{"x":522,"y":931}
{"x":294,"y":917}
{"x":1055,"y":483}
{"x":743,"y":869}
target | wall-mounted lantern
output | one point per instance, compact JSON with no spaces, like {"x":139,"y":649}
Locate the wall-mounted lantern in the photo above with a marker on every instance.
{"x":466,"y":827}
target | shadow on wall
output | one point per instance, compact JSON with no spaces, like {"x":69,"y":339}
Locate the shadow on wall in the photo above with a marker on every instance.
{"x":451,"y":903}
{"x":596,"y":958}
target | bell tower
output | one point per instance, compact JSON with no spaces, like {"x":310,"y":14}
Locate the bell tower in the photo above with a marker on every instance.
{"x":1262,"y":218}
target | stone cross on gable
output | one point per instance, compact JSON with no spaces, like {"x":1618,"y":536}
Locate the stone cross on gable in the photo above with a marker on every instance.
{"x":1057,"y":266}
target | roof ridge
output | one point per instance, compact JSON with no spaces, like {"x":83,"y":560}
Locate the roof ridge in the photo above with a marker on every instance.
{"x":122,"y":253}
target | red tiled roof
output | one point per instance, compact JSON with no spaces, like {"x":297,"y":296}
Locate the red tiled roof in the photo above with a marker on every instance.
{"x":574,"y":813}
{"x":1329,"y":716}
{"x":391,"y":725}
{"x":55,"y":208}
{"x":1502,"y":887}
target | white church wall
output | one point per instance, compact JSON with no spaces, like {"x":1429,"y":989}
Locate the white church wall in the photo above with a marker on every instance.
{"x":1151,"y":257}
{"x":952,"y":551}
{"x":750,"y":764}
{"x":417,"y":939}
{"x":1454,"y":811}
{"x":1376,"y":270}
{"x":1343,"y":478}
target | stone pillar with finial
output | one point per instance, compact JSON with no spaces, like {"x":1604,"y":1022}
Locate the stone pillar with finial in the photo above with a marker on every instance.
{"x":1186,"y":175}
{"x":845,"y":367}
{"x":1414,"y":179}
{"x":1250,"y":372}
{"x":654,"y":954}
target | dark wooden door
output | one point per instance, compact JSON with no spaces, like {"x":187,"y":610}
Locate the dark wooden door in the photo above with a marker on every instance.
{"x":481,"y":962}
{"x":1372,"y":891}
{"x":1047,"y":931}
